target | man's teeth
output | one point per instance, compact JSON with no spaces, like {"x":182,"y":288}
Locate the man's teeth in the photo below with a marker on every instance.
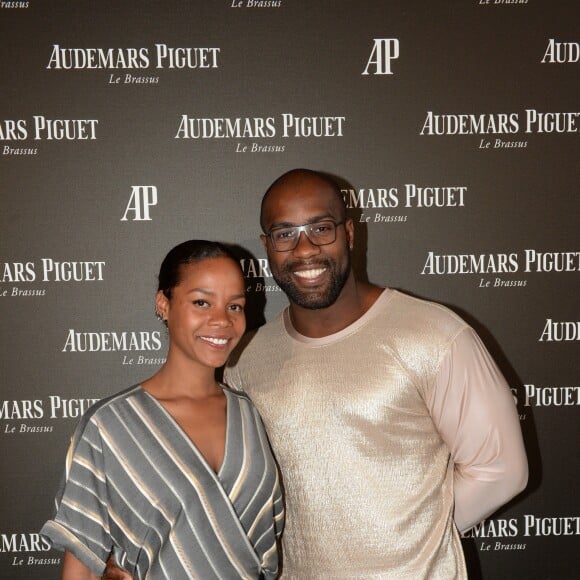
{"x":309,"y":273}
{"x":218,"y":341}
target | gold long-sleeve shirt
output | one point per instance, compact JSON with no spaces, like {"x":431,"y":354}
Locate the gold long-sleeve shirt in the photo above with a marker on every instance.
{"x":384,"y":433}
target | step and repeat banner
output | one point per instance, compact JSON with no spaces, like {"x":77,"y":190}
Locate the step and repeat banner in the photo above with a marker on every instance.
{"x":128,"y":127}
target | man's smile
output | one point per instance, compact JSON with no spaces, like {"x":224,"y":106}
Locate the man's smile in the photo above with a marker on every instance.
{"x":310,"y":274}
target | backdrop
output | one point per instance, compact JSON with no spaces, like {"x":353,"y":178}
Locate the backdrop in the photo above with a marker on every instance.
{"x":128,"y":127}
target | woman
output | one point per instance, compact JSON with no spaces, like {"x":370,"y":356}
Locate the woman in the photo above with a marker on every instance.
{"x":174,"y":477}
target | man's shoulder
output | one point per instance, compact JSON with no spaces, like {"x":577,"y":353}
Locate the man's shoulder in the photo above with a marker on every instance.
{"x":413,"y":314}
{"x":425,"y":307}
{"x":419,"y":333}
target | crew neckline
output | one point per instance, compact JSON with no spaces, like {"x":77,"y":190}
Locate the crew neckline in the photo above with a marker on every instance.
{"x":385,"y":296}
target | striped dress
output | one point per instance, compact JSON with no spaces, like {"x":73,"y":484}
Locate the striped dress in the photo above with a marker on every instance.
{"x":137,"y":487}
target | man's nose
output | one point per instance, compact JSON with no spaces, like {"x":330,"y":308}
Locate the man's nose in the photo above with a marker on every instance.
{"x":305,"y":246}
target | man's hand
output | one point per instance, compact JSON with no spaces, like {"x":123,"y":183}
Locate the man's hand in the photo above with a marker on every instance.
{"x":114,"y":573}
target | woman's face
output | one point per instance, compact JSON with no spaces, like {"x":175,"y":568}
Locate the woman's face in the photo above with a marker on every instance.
{"x":205,"y":316}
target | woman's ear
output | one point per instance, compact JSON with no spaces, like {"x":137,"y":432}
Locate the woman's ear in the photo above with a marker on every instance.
{"x":161,"y":306}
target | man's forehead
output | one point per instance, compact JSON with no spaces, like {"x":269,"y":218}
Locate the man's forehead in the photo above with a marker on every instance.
{"x":301,"y":201}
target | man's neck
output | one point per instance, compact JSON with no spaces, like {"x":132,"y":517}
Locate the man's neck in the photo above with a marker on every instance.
{"x":354,"y":300}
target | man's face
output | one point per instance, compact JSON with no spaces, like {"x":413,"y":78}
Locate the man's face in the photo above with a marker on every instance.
{"x":311,"y":276}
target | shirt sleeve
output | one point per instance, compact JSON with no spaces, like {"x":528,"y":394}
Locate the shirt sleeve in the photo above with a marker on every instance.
{"x":474,"y":411}
{"x":81,"y":522}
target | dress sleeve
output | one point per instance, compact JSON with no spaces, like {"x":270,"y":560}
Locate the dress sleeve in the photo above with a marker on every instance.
{"x":232,"y":378}
{"x":279,"y":512}
{"x":81,"y":522}
{"x":475,"y":414}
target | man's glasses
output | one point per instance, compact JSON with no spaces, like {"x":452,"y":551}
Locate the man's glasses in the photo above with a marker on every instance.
{"x":285,"y":239}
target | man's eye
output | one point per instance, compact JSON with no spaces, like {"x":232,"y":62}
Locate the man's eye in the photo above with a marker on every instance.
{"x":284,"y":234}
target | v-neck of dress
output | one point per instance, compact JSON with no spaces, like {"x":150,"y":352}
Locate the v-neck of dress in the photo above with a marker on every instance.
{"x":216,"y":474}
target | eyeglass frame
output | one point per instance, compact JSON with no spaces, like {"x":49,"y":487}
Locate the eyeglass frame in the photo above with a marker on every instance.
{"x":303,"y":228}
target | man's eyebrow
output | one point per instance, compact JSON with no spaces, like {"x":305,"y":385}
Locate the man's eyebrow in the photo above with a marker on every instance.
{"x":312,"y":220}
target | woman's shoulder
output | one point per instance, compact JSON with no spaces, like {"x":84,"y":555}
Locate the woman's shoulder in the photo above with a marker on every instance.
{"x":240,"y":397}
{"x":109,"y":403}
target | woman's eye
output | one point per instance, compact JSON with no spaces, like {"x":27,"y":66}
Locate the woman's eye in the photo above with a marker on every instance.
{"x":237,"y":307}
{"x":200,"y":302}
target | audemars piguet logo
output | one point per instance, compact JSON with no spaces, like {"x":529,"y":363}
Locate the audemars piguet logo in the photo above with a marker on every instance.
{"x":531,"y":121}
{"x":511,"y":534}
{"x":284,"y":126}
{"x":112,"y":341}
{"x":36,"y":416}
{"x":161,"y":56}
{"x":23,"y":549}
{"x":128,"y":342}
{"x":384,"y":51}
{"x":16,"y":278}
{"x":498,"y":129}
{"x":530,"y":261}
{"x":41,"y":128}
{"x":13,"y":132}
{"x":124,"y":63}
{"x":403,"y":197}
{"x":143,"y":198}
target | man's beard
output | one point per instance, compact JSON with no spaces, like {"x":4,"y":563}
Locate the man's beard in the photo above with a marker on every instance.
{"x":316,"y":299}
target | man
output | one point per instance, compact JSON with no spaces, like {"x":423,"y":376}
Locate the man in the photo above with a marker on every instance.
{"x":392,"y":426}
{"x":366,"y":395}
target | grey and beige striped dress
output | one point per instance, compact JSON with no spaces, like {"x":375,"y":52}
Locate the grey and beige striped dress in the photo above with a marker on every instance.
{"x":137,"y":487}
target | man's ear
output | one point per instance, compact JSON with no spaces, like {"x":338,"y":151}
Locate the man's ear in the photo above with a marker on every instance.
{"x":349,"y":228}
